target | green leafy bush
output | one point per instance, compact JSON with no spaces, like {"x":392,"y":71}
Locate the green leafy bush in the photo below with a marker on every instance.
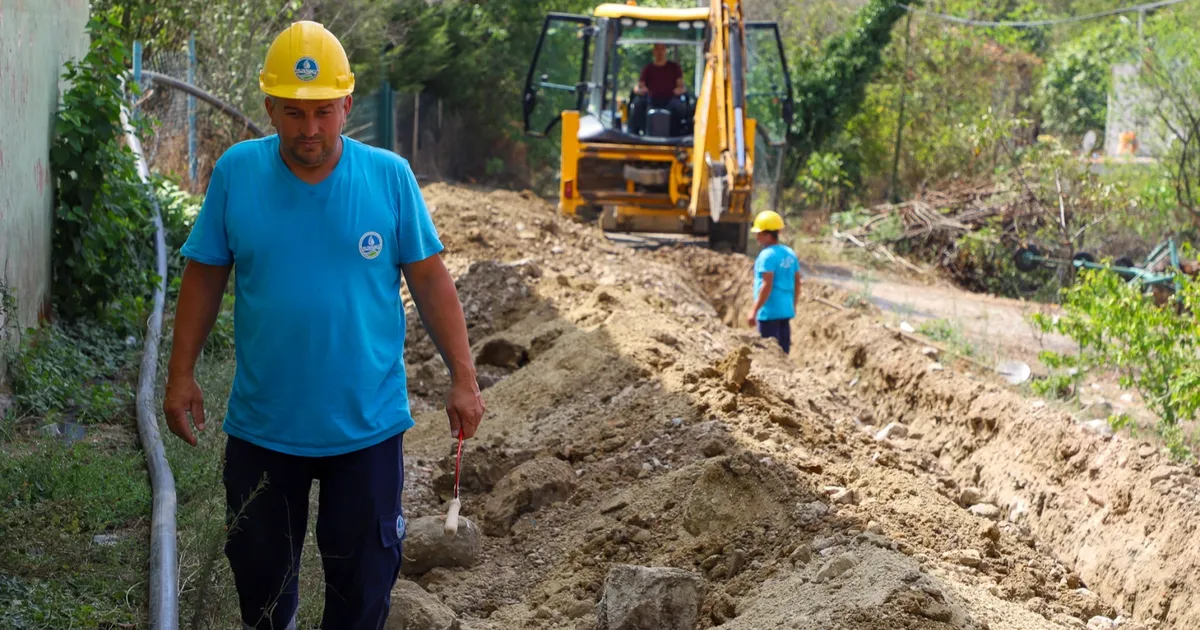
{"x":74,"y":369}
{"x":1117,"y":325}
{"x":103,"y":243}
{"x":1073,"y":93}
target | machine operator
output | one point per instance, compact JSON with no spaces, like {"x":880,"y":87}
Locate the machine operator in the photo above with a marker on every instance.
{"x":659,"y":86}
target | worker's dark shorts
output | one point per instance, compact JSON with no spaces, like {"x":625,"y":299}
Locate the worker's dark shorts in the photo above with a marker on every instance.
{"x":360,"y":529}
{"x":780,"y":330}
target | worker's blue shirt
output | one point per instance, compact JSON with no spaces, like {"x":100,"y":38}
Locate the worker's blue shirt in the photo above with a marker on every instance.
{"x":318,"y":320}
{"x":781,"y":261}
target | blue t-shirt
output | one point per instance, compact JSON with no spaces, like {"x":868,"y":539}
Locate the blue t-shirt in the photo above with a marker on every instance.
{"x":781,"y":261}
{"x":318,"y":320}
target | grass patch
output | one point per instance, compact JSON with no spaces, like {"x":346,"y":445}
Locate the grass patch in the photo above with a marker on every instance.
{"x":74,"y":521}
{"x":949,"y":334}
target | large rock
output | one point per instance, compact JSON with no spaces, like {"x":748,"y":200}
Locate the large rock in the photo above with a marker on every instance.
{"x":415,"y":609}
{"x":650,"y":598}
{"x":426,"y":546}
{"x":527,"y":488}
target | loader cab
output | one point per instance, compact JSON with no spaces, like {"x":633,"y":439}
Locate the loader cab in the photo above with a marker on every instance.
{"x":591,"y":64}
{"x":686,"y":166}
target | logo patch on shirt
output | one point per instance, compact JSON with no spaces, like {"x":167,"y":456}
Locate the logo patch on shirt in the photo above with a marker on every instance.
{"x":370,"y":245}
{"x":307,"y":69}
{"x":400,"y":527}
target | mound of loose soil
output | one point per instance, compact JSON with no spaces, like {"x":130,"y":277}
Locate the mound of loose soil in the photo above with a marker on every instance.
{"x":697,"y":446}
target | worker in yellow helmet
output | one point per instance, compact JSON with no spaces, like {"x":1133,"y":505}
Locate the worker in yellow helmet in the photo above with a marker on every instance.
{"x":323,"y":230}
{"x":776,"y":281}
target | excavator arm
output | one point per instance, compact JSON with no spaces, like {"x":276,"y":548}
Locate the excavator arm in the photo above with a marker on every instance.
{"x":723,"y":159}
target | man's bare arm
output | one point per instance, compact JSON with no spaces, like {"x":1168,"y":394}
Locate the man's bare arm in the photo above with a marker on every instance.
{"x":767,"y":284}
{"x":200,"y":294}
{"x":796,"y":293}
{"x":440,"y":311}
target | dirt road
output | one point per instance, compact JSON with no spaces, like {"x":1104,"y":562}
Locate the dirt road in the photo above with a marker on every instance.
{"x":852,"y":485}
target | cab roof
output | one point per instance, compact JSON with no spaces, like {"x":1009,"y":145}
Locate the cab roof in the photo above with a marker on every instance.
{"x":651,"y":14}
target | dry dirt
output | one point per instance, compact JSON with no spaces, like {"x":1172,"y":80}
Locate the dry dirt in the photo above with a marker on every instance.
{"x":627,"y":423}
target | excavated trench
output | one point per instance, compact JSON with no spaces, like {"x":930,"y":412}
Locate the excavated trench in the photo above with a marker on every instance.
{"x":1117,"y":512}
{"x":847,"y":486}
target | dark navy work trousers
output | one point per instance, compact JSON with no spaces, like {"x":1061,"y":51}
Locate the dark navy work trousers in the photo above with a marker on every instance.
{"x":778,"y":329}
{"x":360,"y":531}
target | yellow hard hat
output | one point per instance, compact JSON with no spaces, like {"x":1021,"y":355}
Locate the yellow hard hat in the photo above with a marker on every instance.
{"x":306,"y":62}
{"x":767,"y":221}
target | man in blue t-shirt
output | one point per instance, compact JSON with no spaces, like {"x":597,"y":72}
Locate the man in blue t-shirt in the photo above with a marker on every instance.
{"x":776,"y":282}
{"x":323,"y":230}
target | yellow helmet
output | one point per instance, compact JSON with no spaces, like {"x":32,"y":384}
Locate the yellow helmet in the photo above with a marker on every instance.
{"x":767,"y":221}
{"x":306,"y":62}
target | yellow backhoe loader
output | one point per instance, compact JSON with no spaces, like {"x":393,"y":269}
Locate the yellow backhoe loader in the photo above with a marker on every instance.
{"x":687,"y":168}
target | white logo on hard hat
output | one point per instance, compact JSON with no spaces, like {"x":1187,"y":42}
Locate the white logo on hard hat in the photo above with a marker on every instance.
{"x":307,"y":69}
{"x":370,"y":244}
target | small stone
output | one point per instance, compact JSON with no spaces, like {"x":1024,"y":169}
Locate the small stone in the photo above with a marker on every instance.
{"x":1097,"y":427}
{"x":677,"y":422}
{"x":936,"y":367}
{"x":713,"y":448}
{"x":892,"y":431}
{"x":650,"y":597}
{"x":990,"y":531}
{"x":527,"y":488}
{"x":847,"y":496}
{"x":810,"y":467}
{"x":1162,"y":473}
{"x":105,"y":540}
{"x":784,"y":419}
{"x":1146,"y":450}
{"x":563,"y":280}
{"x":413,"y":607}
{"x":965,"y":557}
{"x":1067,"y":621}
{"x":875,"y":528}
{"x":642,"y":536}
{"x":836,"y":567}
{"x":426,"y":545}
{"x":1101,"y":623}
{"x":985,"y":510}
{"x":579,"y":609}
{"x":970,"y":496}
{"x":802,"y":555}
{"x":811,"y":513}
{"x":613,"y":505}
{"x":1073,"y":580}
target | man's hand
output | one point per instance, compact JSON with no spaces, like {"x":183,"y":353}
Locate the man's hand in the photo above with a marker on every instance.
{"x":183,"y":395}
{"x":441,"y":312}
{"x":196,"y":310}
{"x":464,"y":407}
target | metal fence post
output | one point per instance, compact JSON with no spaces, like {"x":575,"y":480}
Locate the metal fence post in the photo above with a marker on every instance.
{"x":386,"y":117}
{"x":191,"y":110}
{"x":137,"y":69}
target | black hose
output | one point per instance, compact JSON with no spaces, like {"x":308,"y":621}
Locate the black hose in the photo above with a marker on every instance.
{"x":225,"y":108}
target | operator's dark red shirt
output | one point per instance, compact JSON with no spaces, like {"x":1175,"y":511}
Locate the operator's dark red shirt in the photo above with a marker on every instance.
{"x":661,"y":80}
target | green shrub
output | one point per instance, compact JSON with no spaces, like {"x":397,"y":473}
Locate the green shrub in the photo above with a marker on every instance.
{"x":103,"y":246}
{"x":1153,"y":347}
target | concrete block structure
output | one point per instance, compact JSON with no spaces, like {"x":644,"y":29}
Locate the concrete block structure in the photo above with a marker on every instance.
{"x":36,"y":38}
